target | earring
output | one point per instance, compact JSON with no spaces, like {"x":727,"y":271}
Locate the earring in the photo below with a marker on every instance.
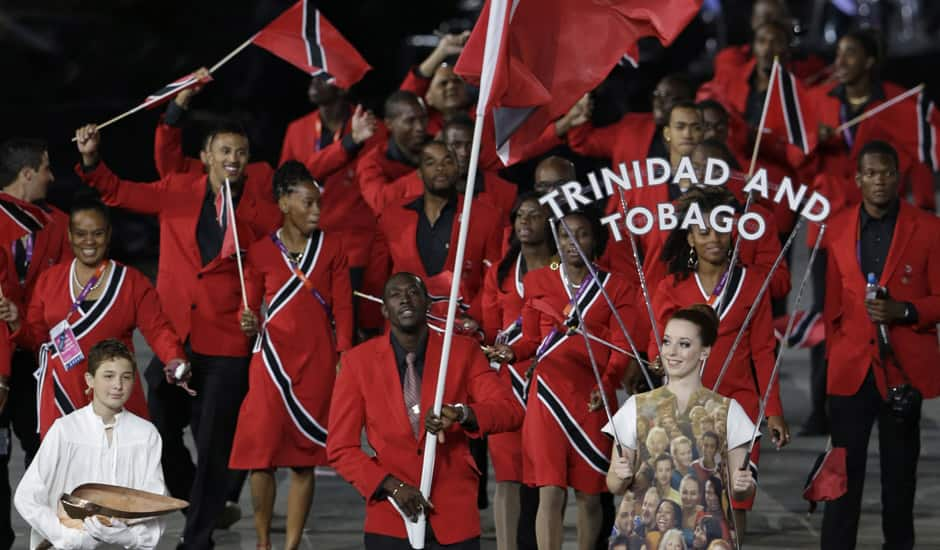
{"x":88,"y":390}
{"x":693,"y":259}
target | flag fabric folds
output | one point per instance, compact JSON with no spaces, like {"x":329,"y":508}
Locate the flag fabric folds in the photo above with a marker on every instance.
{"x":304,"y":38}
{"x":554,"y":51}
{"x":791,"y":113}
{"x":170,"y":91}
{"x":19,"y":218}
{"x":828,"y":480}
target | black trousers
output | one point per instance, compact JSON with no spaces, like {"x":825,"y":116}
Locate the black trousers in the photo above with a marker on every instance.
{"x":18,"y":417}
{"x":817,"y":354}
{"x":851,"y":419}
{"x":383,"y":542}
{"x":221,"y":384}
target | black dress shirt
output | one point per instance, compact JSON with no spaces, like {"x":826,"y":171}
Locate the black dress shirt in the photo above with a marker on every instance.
{"x":875,"y":239}
{"x":208,"y":231}
{"x":434,"y":240}
{"x":401,"y":352}
{"x":393,"y":152}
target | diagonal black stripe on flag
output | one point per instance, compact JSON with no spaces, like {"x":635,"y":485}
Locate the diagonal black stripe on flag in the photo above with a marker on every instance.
{"x":926,"y":136}
{"x":315,"y":54}
{"x":791,"y":111}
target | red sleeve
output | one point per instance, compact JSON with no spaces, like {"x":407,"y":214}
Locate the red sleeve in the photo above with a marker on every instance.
{"x":762,"y":344}
{"x":767,"y":248}
{"x":591,"y":141}
{"x":152,"y":322}
{"x":531,"y":325}
{"x":347,"y":419}
{"x":142,"y":198}
{"x":168,"y":152}
{"x":629,"y":304}
{"x":491,"y":399}
{"x":372,"y":180}
{"x":928,"y":307}
{"x":921,"y":182}
{"x":832,"y":306}
{"x":492,"y":310}
{"x":288,"y":150}
{"x":254,"y":279}
{"x":341,"y":295}
{"x":415,"y":83}
{"x":327,"y":161}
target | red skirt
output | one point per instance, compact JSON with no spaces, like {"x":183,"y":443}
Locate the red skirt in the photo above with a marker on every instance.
{"x":271,"y":433}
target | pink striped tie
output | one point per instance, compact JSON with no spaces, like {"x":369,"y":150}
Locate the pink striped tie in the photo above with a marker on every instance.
{"x":412,"y":391}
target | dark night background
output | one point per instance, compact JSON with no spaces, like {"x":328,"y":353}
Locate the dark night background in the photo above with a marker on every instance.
{"x":67,"y":63}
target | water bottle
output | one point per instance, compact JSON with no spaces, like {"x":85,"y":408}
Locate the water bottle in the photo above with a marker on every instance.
{"x":873,"y":292}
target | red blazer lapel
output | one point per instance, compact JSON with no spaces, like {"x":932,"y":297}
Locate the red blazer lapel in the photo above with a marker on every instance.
{"x":903,"y":230}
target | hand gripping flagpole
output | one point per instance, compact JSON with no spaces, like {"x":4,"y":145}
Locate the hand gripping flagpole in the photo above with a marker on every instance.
{"x":610,"y":303}
{"x":756,"y":304}
{"x":774,"y":75}
{"x":786,"y":336}
{"x":238,"y":251}
{"x":494,"y":30}
{"x":582,"y":326}
{"x":641,"y":275}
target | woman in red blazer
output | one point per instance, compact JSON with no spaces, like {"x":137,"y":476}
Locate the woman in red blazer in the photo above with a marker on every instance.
{"x":301,"y":274}
{"x":95,"y":298}
{"x":699,"y":261}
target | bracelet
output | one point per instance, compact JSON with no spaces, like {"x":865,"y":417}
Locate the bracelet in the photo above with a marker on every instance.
{"x":395,"y":492}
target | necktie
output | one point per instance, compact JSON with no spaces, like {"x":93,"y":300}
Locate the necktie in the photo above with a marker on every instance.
{"x":411,"y":388}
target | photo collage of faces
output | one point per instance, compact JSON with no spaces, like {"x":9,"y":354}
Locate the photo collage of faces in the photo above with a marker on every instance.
{"x":678,"y":499}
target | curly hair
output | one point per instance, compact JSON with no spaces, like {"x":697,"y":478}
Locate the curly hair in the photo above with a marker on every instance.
{"x":676,"y":249}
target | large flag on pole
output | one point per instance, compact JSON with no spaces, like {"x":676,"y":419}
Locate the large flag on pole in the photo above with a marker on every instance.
{"x":790,"y":113}
{"x":554,"y":51}
{"x":304,"y":38}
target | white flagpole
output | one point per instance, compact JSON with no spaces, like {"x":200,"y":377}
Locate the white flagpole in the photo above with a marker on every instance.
{"x":494,"y":31}
{"x":868,"y":114}
{"x":238,"y":252}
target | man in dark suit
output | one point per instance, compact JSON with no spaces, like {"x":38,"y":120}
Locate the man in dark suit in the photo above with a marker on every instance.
{"x":383,"y":385}
{"x":896,"y":242}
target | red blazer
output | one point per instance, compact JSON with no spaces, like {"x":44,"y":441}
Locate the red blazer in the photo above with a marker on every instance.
{"x":50,"y":247}
{"x":755,"y":353}
{"x":203,"y":303}
{"x":398,"y":227}
{"x":626,"y":140}
{"x":911,"y":274}
{"x":495,"y":191}
{"x":733,"y":59}
{"x":368,"y":394}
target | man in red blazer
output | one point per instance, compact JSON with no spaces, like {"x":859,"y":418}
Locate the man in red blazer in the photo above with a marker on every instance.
{"x":198,"y":283}
{"x":420,"y":235}
{"x":25,"y":176}
{"x":896,"y":242}
{"x":383,"y":385}
{"x":406,"y":119}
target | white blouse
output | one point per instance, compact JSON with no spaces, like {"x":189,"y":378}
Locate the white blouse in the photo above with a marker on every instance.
{"x":76,"y":451}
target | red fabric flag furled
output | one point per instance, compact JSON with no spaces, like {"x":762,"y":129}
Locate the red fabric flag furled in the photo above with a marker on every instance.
{"x":790,"y":113}
{"x":19,"y":218}
{"x":554,"y":51}
{"x":304,"y":38}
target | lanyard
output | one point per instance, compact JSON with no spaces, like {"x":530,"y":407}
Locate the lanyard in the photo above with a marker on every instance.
{"x":28,"y":242}
{"x":716,"y":292}
{"x":86,"y":290}
{"x":543,"y":347}
{"x":308,"y":284}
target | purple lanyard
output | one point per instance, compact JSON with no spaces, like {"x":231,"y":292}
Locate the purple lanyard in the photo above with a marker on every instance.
{"x":847,"y":133}
{"x":28,"y":242}
{"x":549,"y":340}
{"x":303,"y":278}
{"x":87,"y":288}
{"x":716,"y":292}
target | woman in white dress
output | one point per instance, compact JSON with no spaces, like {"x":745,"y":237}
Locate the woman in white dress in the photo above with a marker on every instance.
{"x":687,"y":341}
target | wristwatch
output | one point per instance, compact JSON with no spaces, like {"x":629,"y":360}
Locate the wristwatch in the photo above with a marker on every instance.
{"x":462,"y":413}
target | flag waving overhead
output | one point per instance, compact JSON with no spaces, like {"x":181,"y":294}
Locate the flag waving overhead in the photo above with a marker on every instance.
{"x":304,"y":38}
{"x":169,"y":91}
{"x":552,"y":52}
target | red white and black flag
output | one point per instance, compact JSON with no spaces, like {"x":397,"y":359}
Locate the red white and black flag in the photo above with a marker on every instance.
{"x":304,"y":38}
{"x":790,"y":112}
{"x":19,"y":218}
{"x":552,"y":52}
{"x":169,"y":91}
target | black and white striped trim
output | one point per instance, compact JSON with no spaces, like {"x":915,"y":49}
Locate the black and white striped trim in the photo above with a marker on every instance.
{"x":588,"y":299}
{"x":303,"y":420}
{"x":736,"y":280}
{"x":20,"y":217}
{"x":576,"y":436}
{"x":294,"y":284}
{"x":792,"y":113}
{"x":926,"y":133}
{"x":90,"y":319}
{"x":62,"y":401}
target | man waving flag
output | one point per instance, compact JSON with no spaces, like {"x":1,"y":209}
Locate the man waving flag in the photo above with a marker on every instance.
{"x":552,"y":52}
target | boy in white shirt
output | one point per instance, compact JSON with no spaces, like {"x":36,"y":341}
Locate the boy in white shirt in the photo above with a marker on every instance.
{"x":99,"y":443}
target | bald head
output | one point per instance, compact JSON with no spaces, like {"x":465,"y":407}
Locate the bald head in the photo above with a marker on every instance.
{"x":552,"y":172}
